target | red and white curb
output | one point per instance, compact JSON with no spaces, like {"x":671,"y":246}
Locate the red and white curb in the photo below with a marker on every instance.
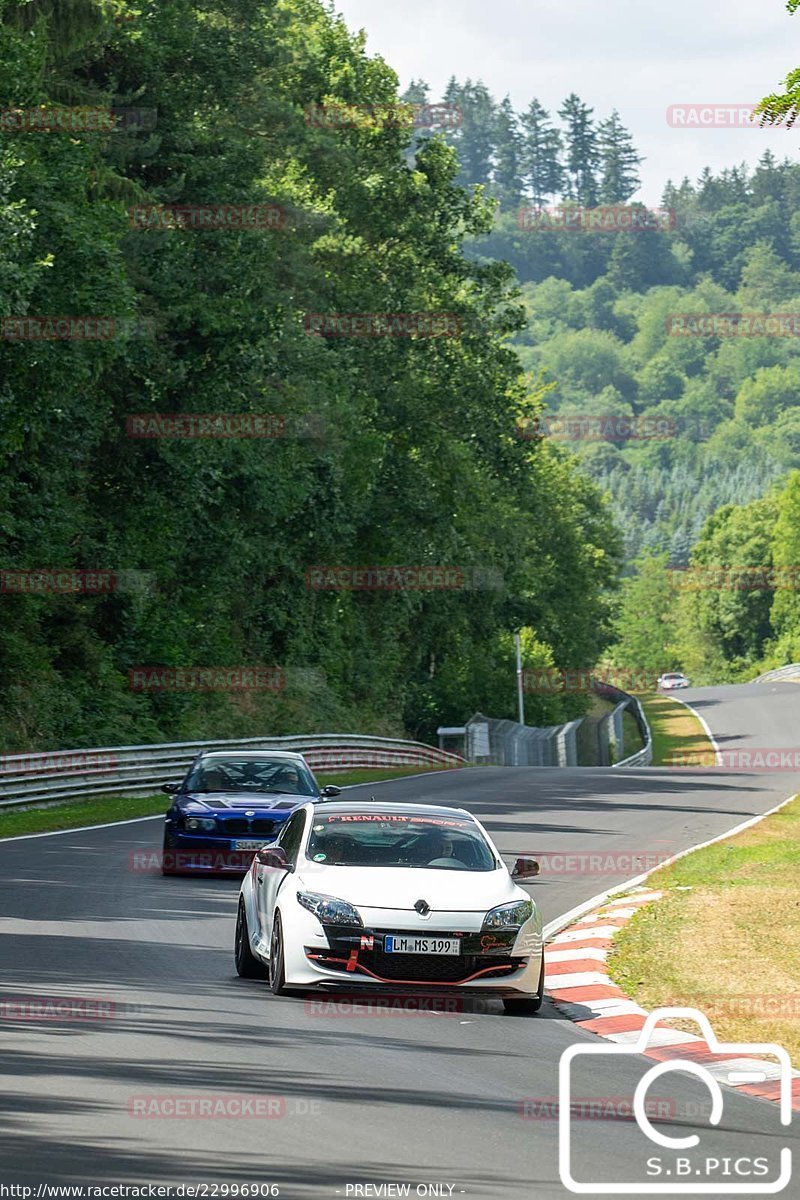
{"x":577,"y":980}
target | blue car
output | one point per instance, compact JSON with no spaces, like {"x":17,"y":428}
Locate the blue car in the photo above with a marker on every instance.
{"x":229,"y":805}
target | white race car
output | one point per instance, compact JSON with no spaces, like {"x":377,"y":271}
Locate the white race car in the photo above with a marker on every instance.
{"x":374,"y":895}
{"x":673,"y":679}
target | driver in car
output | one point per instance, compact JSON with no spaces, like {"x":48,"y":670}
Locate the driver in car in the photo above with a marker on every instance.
{"x":289,"y":781}
{"x":432,"y":847}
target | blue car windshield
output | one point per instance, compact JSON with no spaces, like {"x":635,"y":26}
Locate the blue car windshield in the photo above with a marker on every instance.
{"x":251,"y":775}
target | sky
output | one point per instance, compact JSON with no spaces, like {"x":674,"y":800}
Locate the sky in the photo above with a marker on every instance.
{"x":639,"y":57}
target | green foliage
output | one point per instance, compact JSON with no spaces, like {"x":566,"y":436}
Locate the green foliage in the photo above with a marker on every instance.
{"x":399,"y":450}
{"x":645,"y":621}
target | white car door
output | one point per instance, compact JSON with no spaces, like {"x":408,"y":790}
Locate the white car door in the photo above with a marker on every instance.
{"x":271,"y":878}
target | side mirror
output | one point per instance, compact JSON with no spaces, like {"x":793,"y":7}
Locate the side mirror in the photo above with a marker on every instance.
{"x":272,"y":856}
{"x":525,"y":868}
{"x":170,"y":788}
{"x":331,"y":790}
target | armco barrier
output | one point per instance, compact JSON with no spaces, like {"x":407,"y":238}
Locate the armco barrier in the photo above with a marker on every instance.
{"x":140,"y":770}
{"x":790,"y":672}
{"x":643,"y":757}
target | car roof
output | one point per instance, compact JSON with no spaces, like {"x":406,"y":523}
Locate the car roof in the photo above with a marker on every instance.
{"x":284,"y":754}
{"x":388,"y":806}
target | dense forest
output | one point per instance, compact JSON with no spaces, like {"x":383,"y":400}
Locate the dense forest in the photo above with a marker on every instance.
{"x":396,"y":450}
{"x":599,"y":303}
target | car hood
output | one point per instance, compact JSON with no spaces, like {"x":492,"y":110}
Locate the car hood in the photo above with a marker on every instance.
{"x":401,"y":887}
{"x":222,"y":802}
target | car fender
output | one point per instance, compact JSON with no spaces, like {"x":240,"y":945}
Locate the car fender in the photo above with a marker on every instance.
{"x":247,"y":893}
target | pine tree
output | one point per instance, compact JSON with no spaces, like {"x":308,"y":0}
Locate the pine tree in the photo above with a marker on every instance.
{"x":619,"y":162}
{"x":583,"y":155}
{"x":476,"y":138}
{"x":542,"y":172}
{"x":507,"y":181}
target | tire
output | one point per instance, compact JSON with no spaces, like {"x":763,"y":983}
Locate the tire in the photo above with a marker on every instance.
{"x":526,"y":1006}
{"x":167,"y":852}
{"x":247,"y":965}
{"x":277,"y":961}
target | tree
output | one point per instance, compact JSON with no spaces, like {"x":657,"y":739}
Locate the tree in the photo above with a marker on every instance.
{"x":783,"y":107}
{"x":396,"y":449}
{"x":768,"y":393}
{"x":542,"y":172}
{"x":645,"y":619}
{"x":506,"y":178}
{"x":582,"y":151}
{"x":619,"y":162}
{"x":475,"y":138}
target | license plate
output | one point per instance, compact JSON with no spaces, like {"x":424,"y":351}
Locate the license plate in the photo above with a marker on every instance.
{"x":394,"y":944}
{"x":249,"y":844}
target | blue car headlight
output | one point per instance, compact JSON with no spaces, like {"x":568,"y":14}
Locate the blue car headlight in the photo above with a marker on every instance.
{"x":207,"y":824}
{"x":329,"y":910}
{"x":509,"y":916}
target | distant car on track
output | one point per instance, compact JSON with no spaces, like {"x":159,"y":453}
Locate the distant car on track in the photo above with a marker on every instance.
{"x":229,"y":804}
{"x":375,"y":895}
{"x":673,"y":679}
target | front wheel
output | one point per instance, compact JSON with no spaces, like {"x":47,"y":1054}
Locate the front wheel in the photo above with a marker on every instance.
{"x":247,"y":965}
{"x":525,"y":1006}
{"x":168,"y":857}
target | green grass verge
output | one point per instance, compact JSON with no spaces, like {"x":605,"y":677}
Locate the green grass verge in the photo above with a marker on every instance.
{"x":725,"y":937}
{"x":677,"y":733}
{"x":101,"y":809}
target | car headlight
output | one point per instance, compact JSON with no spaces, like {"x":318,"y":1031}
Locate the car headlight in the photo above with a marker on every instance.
{"x":205,"y":823}
{"x":329,"y":910}
{"x":508,"y":916}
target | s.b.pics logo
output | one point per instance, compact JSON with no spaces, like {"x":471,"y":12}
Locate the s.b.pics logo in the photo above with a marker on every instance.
{"x":674,"y":1154}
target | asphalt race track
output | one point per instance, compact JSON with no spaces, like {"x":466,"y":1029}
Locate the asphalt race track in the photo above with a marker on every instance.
{"x":401,"y":1099}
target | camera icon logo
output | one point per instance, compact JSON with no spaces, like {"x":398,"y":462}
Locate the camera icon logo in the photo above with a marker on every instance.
{"x":683,"y":1166}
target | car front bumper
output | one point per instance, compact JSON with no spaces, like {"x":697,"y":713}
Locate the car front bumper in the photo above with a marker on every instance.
{"x":188,"y":854}
{"x":506,"y":963}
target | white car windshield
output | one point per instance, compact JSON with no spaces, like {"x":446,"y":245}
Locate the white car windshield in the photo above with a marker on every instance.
{"x":361,"y":839}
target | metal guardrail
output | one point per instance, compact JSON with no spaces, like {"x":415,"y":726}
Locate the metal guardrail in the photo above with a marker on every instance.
{"x":504,"y":743}
{"x":643,"y":757}
{"x":140,"y":770}
{"x":790,"y":672}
